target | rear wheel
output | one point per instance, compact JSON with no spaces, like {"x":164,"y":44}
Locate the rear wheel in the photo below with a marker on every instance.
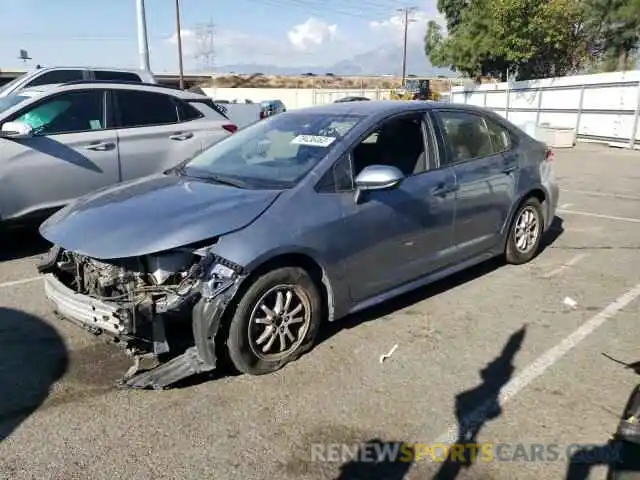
{"x":525,"y":232}
{"x":275,"y":322}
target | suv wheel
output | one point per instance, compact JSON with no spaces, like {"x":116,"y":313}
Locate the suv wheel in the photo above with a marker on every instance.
{"x":275,"y":322}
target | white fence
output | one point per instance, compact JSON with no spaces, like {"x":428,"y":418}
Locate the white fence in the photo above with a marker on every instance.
{"x":292,"y":97}
{"x":602,"y":107}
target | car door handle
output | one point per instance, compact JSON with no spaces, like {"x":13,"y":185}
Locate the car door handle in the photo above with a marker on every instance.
{"x":100,"y":146}
{"x":181,"y":136}
{"x":511,"y":167}
{"x":442,"y":190}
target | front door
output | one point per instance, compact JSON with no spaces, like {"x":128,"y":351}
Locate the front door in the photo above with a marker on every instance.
{"x":486,"y":179}
{"x":400,"y":234}
{"x":71,"y":153}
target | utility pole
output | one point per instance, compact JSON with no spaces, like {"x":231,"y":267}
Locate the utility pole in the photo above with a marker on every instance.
{"x":406,"y":20}
{"x":179,"y":36}
{"x":143,"y":42}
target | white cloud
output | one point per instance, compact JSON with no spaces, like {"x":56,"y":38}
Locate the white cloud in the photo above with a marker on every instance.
{"x":394,"y":26}
{"x":308,"y":43}
{"x":311,"y":34}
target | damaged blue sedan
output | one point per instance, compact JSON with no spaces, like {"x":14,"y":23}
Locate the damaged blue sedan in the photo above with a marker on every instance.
{"x":305,"y":217}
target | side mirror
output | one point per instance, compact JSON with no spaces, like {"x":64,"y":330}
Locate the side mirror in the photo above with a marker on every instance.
{"x":16,"y":130}
{"x":377,"y":177}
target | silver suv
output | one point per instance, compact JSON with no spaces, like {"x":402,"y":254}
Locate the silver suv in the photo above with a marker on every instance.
{"x":58,"y":75}
{"x":58,"y":143}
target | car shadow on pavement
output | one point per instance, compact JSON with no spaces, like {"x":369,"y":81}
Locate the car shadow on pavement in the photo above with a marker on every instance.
{"x":551,"y":235}
{"x":420,"y":294}
{"x":33,"y":357}
{"x":22,"y":242}
{"x":476,"y":406}
{"x":361,"y":468}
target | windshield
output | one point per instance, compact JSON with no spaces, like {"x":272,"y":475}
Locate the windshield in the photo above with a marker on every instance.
{"x":8,"y":102}
{"x":13,"y":82}
{"x":273,"y":153}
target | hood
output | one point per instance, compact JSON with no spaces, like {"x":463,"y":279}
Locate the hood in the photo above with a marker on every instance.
{"x":153,"y":214}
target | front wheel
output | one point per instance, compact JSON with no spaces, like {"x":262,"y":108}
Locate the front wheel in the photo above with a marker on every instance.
{"x":525,"y":232}
{"x":275,"y":322}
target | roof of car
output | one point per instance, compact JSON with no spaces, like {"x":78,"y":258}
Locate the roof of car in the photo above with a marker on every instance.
{"x":139,"y":86}
{"x":375,"y":107}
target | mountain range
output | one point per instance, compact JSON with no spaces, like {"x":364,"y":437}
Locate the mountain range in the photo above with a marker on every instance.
{"x":381,"y":61}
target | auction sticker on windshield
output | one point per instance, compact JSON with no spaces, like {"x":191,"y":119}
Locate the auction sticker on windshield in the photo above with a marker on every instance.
{"x":313,"y":140}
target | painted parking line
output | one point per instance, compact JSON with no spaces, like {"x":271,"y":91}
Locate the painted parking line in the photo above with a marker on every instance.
{"x":543,"y":362}
{"x":20,"y":282}
{"x":572,"y":261}
{"x":603,"y":194}
{"x":598,"y":215}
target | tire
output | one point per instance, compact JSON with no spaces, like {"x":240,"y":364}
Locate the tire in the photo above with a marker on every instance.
{"x":243,"y":341}
{"x":513,"y":253}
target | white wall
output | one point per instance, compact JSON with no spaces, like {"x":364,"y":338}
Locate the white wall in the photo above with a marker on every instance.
{"x":601,"y":107}
{"x":292,"y":97}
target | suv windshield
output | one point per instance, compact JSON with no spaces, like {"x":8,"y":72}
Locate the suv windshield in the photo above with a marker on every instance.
{"x":274,"y":153}
{"x":8,"y":102}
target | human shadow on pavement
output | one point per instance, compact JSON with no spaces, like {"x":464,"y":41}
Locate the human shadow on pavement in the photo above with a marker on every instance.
{"x":33,"y":357}
{"x":475,"y":407}
{"x":378,"y":460}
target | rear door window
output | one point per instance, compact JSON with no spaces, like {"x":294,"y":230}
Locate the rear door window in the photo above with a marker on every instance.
{"x":56,"y":76}
{"x":500,"y":138}
{"x":467,"y":135}
{"x":116,"y":76}
{"x":145,"y":109}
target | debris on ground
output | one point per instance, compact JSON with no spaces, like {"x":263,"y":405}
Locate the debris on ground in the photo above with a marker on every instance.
{"x":387,"y":355}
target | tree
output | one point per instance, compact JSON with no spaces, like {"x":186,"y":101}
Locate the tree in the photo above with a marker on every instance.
{"x":530,"y":38}
{"x":614,"y":32}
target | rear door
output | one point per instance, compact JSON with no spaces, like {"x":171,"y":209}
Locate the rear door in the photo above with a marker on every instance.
{"x":73,"y":151}
{"x":486,"y":178}
{"x":153,"y":133}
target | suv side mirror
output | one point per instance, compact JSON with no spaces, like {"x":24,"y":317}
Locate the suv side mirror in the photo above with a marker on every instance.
{"x":377,"y":177}
{"x":16,"y":130}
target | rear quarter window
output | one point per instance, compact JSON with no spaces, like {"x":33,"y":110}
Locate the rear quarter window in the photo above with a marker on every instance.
{"x":116,"y":76}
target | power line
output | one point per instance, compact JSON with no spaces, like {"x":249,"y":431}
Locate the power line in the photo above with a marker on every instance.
{"x":406,"y":20}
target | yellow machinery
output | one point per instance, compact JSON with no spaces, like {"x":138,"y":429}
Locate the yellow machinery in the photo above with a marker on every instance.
{"x":415,"y":89}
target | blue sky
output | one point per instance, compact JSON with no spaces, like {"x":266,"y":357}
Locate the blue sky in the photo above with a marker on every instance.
{"x":284,"y":32}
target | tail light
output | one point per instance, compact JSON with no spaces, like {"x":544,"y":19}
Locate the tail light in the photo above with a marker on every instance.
{"x":263,"y":114}
{"x":549,"y":155}
{"x":230,"y":127}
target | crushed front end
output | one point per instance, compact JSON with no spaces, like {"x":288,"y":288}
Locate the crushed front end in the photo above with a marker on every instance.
{"x":146,"y":304}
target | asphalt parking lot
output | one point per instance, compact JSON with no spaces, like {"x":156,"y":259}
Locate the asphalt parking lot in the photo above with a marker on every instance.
{"x":459,"y":344}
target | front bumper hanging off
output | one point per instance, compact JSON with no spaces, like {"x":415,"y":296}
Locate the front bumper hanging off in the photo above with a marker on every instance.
{"x":198,"y":359}
{"x":98,"y":316}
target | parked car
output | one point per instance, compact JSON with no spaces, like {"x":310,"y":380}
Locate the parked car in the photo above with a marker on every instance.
{"x":271,"y":107}
{"x":60,"y":142}
{"x":307,"y":216}
{"x":57,"y":75}
{"x":352,"y":99}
